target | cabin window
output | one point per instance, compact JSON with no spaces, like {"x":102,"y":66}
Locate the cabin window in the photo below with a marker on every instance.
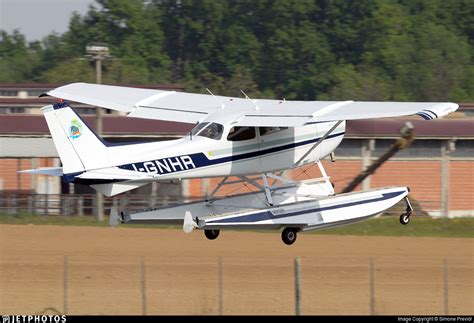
{"x":268,"y":130}
{"x":241,"y":133}
{"x":198,"y":128}
{"x":208,"y":130}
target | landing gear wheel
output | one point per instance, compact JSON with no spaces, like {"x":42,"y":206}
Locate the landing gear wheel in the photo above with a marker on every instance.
{"x":289,"y":235}
{"x":405,"y":218}
{"x":211,"y":234}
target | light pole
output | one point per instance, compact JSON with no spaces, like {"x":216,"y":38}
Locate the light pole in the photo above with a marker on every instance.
{"x":98,"y":52}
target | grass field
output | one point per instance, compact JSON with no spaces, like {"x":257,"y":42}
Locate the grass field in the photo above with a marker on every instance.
{"x":382,"y":226}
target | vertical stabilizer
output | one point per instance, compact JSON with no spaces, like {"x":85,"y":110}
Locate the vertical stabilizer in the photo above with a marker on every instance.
{"x":78,"y":147}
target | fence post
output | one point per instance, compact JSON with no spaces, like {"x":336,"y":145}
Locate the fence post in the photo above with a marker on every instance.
{"x":30,"y":204}
{"x":297,"y":286}
{"x":115,"y":203}
{"x":220,"y":287}
{"x":372,"y":286}
{"x":10,"y":205}
{"x":15,"y":204}
{"x":70,"y":205}
{"x":445,"y":286}
{"x":142,"y":266}
{"x":80,"y":206}
{"x":154,"y":194}
{"x":65,"y":285}
{"x":34,"y":203}
{"x":46,"y":196}
{"x":64,"y":205}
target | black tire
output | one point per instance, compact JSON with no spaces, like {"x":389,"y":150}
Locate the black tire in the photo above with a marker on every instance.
{"x":211,"y":234}
{"x":289,"y":235}
{"x":404,"y":219}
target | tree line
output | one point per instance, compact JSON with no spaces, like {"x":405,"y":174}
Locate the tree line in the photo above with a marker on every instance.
{"x":404,"y":50}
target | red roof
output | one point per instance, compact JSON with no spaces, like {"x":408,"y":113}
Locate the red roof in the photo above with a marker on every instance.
{"x":36,"y":124}
{"x":449,"y":127}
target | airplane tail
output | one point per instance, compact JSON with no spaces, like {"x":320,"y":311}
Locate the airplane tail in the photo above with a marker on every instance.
{"x":79,"y":148}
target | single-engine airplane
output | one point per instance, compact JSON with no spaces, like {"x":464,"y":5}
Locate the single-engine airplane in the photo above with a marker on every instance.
{"x":234,"y":137}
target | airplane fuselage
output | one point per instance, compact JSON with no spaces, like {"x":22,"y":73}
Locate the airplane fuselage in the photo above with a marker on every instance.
{"x":198,"y":156}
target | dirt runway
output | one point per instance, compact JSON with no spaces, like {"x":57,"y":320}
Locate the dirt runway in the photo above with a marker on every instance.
{"x":104,"y":272}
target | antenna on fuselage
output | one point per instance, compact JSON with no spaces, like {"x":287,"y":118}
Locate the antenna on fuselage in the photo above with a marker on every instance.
{"x":215,"y":98}
{"x":248,"y":98}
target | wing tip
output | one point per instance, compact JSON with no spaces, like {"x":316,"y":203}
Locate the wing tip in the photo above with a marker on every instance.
{"x":438,"y":110}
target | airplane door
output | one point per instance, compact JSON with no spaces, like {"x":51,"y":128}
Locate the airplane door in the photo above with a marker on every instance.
{"x":282,"y":147}
{"x":276,"y":147}
{"x":244,"y":147}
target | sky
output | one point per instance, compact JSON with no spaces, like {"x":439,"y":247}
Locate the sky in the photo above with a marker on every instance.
{"x":38,"y":18}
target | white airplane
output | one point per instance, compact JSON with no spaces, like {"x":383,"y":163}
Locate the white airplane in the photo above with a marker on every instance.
{"x":237,"y":137}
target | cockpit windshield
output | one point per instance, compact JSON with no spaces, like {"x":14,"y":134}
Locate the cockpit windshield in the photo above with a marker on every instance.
{"x":210,"y":130}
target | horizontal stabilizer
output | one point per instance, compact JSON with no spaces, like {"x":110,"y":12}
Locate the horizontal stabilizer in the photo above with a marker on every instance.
{"x":117,"y":188}
{"x":114,"y":173}
{"x":51,"y":171}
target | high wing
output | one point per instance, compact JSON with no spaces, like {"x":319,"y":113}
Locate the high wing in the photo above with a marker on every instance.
{"x":193,"y":108}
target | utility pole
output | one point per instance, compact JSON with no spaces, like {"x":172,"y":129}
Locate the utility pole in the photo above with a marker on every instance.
{"x":98,"y":53}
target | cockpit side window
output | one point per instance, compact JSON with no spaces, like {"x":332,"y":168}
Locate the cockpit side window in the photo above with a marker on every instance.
{"x":208,"y":130}
{"x":198,"y":128}
{"x":268,"y":130}
{"x":241,"y":133}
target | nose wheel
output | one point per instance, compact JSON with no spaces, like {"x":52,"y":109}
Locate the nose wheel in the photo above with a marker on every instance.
{"x":405,"y":217}
{"x":289,"y":235}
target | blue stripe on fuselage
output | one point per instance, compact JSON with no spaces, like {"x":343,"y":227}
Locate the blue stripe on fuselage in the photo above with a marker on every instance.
{"x":186,"y":162}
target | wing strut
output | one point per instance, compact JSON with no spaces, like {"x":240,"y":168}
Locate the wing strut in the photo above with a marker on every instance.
{"x":221,"y":183}
{"x":318,"y":142}
{"x":268,"y":194}
{"x":325,"y":175}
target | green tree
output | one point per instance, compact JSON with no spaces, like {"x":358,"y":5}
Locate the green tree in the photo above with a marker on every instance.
{"x":71,"y":71}
{"x":343,"y":23}
{"x":294,"y":56}
{"x":126,"y":71}
{"x":424,"y":60}
{"x":17,"y":58}
{"x":294,"y":49}
{"x":357,"y":84}
{"x":131,"y":28}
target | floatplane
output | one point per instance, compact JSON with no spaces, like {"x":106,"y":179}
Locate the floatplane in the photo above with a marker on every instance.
{"x":241,"y":140}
